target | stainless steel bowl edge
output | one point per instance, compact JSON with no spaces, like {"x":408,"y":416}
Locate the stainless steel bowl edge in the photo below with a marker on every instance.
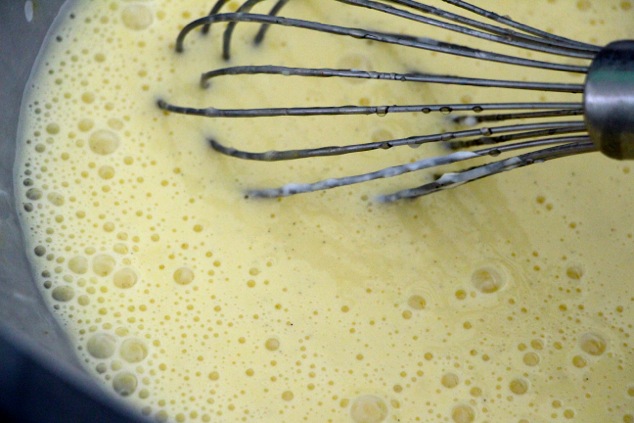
{"x":41,"y":379}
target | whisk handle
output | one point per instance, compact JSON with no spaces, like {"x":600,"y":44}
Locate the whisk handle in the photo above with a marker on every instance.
{"x":609,"y":100}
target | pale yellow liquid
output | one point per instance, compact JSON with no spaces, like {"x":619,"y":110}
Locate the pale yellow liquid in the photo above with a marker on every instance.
{"x":507,"y":300}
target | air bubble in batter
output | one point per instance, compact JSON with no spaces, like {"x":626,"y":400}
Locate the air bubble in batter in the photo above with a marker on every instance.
{"x":368,"y":409}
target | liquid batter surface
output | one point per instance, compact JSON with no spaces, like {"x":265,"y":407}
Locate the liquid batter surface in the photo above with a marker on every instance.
{"x":507,"y":300}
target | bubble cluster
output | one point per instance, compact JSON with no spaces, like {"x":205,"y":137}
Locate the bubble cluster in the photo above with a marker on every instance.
{"x":505,"y":301}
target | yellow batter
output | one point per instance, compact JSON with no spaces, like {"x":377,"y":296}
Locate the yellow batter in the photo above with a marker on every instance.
{"x":508,"y":300}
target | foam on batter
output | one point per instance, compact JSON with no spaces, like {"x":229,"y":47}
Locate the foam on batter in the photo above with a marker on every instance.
{"x":507,"y":300}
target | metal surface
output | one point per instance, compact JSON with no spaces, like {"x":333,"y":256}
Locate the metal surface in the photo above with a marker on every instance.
{"x":40,"y":376}
{"x":603,"y":120}
{"x":533,"y":124}
{"x":609,"y":100}
{"x":21,"y":308}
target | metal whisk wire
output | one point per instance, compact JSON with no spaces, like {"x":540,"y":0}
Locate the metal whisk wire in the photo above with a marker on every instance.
{"x":559,"y":138}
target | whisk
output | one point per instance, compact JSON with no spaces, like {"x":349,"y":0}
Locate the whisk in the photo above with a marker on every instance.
{"x":602,"y":120}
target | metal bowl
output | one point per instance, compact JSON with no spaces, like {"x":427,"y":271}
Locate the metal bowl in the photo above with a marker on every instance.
{"x":41,"y":378}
